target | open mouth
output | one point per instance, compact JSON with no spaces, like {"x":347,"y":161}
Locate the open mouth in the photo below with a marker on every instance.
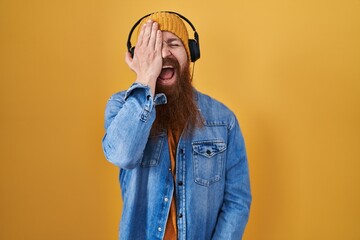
{"x":167,"y":72}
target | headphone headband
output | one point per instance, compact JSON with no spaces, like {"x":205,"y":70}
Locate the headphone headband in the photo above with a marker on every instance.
{"x":193,"y":43}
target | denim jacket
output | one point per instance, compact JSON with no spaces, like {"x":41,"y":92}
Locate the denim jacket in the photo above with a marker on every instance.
{"x":212,"y":186}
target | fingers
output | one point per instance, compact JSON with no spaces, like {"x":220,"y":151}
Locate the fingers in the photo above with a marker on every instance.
{"x":148,"y":34}
{"x":141,"y":35}
{"x":158,"y":43}
{"x":153,"y":35}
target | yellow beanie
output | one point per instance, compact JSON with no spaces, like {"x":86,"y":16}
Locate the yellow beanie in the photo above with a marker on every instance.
{"x":172,"y":23}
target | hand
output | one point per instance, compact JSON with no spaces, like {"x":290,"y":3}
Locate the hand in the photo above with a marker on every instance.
{"x":147,"y":60}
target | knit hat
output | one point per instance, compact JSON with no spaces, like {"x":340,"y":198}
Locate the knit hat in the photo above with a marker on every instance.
{"x":172,"y":23}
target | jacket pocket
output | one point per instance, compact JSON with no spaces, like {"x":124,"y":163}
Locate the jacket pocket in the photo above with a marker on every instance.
{"x":208,"y":161}
{"x":151,"y":155}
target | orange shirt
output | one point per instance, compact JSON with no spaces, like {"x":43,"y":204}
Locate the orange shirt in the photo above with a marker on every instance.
{"x":171,"y":226}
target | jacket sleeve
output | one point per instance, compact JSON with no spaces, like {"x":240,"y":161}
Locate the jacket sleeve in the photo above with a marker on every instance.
{"x":234,"y":212}
{"x":128,"y":121}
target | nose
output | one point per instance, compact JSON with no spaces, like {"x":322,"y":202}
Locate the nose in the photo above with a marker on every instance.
{"x":165,"y":51}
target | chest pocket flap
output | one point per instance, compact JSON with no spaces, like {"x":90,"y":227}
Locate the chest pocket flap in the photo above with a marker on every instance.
{"x":209,"y":148}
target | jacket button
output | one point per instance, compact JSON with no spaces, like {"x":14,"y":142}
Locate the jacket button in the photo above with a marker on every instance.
{"x":180,"y":183}
{"x":180,"y":215}
{"x":182,"y":151}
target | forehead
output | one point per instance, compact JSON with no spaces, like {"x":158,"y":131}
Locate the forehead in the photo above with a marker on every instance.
{"x":169,"y":36}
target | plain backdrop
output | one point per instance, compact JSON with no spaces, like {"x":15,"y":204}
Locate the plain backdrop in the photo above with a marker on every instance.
{"x":290,"y":70}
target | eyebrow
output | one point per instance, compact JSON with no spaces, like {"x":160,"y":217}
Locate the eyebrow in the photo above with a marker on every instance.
{"x":170,"y":40}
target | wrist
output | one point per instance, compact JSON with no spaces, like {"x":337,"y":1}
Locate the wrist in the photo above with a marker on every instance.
{"x":150,"y":83}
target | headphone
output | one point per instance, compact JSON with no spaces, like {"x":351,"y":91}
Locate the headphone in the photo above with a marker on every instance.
{"x":193,"y":43}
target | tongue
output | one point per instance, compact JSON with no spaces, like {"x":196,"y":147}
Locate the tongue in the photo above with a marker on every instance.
{"x":166,"y":73}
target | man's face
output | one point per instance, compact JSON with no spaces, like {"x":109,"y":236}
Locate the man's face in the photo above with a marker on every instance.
{"x":175,"y":81}
{"x":175,"y":60}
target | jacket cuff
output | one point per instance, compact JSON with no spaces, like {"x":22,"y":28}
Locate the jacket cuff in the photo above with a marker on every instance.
{"x":159,"y":99}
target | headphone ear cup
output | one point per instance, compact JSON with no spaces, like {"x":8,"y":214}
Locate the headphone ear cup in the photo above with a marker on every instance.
{"x":194,"y":50}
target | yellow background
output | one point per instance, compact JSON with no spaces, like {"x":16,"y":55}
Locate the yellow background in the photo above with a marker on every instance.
{"x":290,"y":70}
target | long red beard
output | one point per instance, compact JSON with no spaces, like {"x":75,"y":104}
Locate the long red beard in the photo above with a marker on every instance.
{"x":181,"y":109}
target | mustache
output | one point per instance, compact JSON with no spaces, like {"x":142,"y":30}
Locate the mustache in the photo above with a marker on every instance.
{"x":171,"y":61}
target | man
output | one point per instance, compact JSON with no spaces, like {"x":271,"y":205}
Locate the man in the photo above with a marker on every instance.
{"x":182,"y":159}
